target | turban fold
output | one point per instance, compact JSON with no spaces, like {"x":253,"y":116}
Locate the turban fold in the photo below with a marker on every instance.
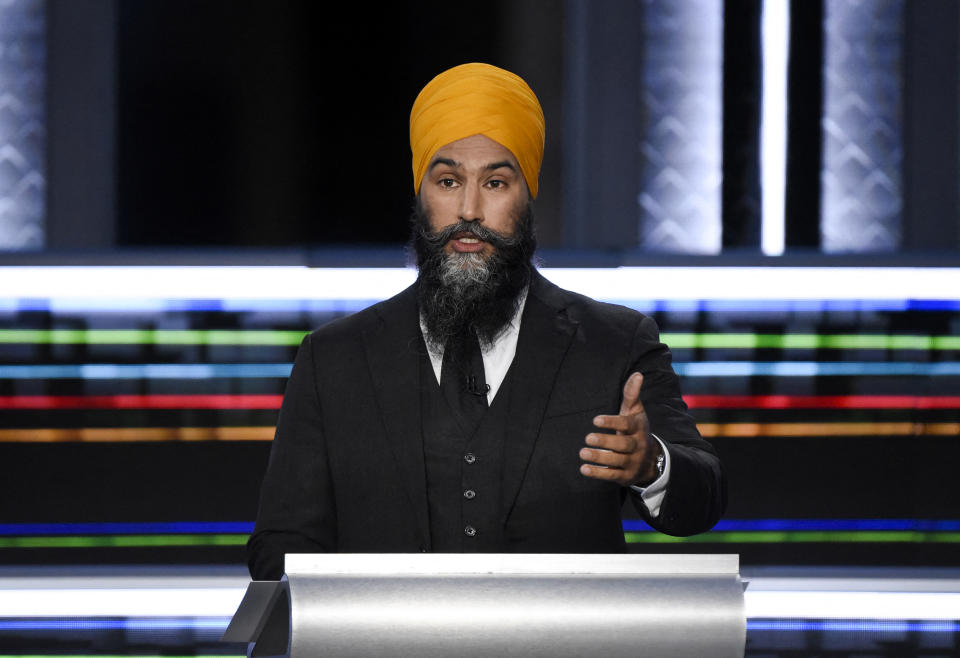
{"x":477,"y":99}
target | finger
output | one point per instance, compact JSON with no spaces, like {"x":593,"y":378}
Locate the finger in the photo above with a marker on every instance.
{"x":626,"y":424}
{"x":631,"y":394}
{"x":623,"y":443}
{"x":602,"y":473}
{"x":605,"y":458}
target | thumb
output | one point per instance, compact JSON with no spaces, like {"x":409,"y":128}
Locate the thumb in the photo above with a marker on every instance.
{"x":631,"y":395}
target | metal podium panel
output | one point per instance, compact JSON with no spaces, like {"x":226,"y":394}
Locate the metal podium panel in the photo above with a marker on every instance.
{"x":515,"y":605}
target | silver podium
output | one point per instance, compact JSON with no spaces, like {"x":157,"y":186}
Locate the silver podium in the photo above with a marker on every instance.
{"x":496,"y":605}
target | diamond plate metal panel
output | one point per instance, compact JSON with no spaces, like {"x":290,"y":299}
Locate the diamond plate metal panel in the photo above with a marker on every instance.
{"x":22,"y":124}
{"x":682,"y":93}
{"x":862,"y":193}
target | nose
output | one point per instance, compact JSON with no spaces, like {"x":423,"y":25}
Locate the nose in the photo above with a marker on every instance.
{"x":471,"y":203}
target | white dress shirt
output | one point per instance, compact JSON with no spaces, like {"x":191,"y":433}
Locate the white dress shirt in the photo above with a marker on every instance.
{"x":497,"y":358}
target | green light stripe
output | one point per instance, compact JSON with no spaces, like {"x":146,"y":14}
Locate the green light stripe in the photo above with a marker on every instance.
{"x":799,"y":537}
{"x":771,"y":537}
{"x":293,"y":338}
{"x":151,"y":337}
{"x":811,"y":341}
{"x":123,"y":541}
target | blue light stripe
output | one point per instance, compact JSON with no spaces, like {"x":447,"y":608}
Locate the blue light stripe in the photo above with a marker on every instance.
{"x":629,"y":525}
{"x":843,"y":525}
{"x":282,"y":370}
{"x":148,"y":371}
{"x":814,"y":369}
{"x":126,"y":624}
{"x":159,"y":528}
{"x":106,"y":305}
{"x":852,"y":625}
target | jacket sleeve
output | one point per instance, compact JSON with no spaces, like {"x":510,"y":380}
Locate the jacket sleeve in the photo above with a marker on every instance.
{"x":297,"y":512}
{"x":696,"y":495}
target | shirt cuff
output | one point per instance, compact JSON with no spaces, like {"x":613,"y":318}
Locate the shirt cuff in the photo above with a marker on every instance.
{"x":652,"y":494}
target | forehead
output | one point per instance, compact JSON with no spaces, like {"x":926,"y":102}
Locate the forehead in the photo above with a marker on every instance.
{"x":477,"y":150}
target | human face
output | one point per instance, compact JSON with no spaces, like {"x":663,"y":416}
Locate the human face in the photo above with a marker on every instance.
{"x":473,"y":179}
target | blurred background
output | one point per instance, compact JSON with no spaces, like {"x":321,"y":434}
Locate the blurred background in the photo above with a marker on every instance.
{"x":189,"y":186}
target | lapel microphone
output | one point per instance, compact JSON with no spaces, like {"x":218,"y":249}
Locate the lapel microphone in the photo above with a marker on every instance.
{"x":475,"y":387}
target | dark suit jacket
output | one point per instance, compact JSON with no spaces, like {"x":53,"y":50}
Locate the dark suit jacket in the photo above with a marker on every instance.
{"x":346,"y":469}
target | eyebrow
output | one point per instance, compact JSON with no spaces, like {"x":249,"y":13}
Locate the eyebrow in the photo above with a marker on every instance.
{"x":498,"y":165}
{"x":444,"y":161}
{"x":457,"y":165}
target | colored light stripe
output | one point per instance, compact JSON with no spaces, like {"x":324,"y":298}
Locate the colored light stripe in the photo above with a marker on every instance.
{"x":851,"y":626}
{"x":304,"y":283}
{"x":749,"y":525}
{"x":815,"y":369}
{"x":151,"y":337}
{"x":106,"y":655}
{"x":343,"y":306}
{"x":797,"y":537}
{"x":136,"y":528}
{"x":135,"y":434}
{"x":744,"y":430}
{"x":149,"y":371}
{"x":293,"y":338}
{"x":265,"y":433}
{"x":141,"y":402}
{"x":810,"y":341}
{"x":871,"y":606}
{"x":713,"y":537}
{"x":218,"y":624}
{"x":129,"y":601}
{"x":124,"y":541}
{"x":630,"y":525}
{"x":282,"y":370}
{"x":821,"y":401}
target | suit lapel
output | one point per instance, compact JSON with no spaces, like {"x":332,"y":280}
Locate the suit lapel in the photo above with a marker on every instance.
{"x":545,"y":335}
{"x":393,"y":357}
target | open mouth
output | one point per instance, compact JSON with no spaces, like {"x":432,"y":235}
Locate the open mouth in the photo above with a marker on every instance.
{"x":466,"y":242}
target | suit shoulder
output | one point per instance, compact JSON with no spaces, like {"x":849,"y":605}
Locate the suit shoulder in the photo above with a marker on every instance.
{"x":586,"y":309}
{"x":351,"y":327}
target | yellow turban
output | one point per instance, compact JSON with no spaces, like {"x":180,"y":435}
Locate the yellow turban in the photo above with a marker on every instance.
{"x":477,"y":99}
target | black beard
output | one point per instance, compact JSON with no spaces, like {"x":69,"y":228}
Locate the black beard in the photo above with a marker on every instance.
{"x":458,"y":291}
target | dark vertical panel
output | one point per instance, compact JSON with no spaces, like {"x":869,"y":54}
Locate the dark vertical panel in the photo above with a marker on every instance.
{"x":742,"y":80}
{"x":931,"y":166}
{"x":804,"y":112}
{"x":532,"y":47}
{"x":81,"y":131}
{"x":602,"y":121}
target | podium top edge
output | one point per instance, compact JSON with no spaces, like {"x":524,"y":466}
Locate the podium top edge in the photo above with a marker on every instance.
{"x":448,"y":564}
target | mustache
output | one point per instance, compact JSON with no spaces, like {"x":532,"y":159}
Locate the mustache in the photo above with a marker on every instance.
{"x":475,"y":228}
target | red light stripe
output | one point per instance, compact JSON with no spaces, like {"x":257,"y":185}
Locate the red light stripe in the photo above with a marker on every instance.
{"x":822,"y":402}
{"x":140,"y":401}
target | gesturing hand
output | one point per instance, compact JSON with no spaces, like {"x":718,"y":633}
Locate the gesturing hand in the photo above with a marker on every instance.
{"x":628,"y":457}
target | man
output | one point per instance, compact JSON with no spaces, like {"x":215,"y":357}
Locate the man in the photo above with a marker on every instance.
{"x":483,"y":408}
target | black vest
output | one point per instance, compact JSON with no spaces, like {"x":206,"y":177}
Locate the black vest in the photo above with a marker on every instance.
{"x":464,"y":467}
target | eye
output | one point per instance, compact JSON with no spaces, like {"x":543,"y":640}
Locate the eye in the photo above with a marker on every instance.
{"x":497,"y":184}
{"x":448,"y":183}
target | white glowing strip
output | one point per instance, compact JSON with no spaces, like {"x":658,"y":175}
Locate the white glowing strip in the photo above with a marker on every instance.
{"x":773,"y":125}
{"x":203,"y":282}
{"x":621,"y":284}
{"x":223,"y":602}
{"x":745,"y":283}
{"x":919,"y":606}
{"x":124,"y":602}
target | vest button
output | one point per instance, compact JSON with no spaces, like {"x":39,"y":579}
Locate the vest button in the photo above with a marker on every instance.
{"x":469,"y":494}
{"x":469,"y":458}
{"x":470,"y":531}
